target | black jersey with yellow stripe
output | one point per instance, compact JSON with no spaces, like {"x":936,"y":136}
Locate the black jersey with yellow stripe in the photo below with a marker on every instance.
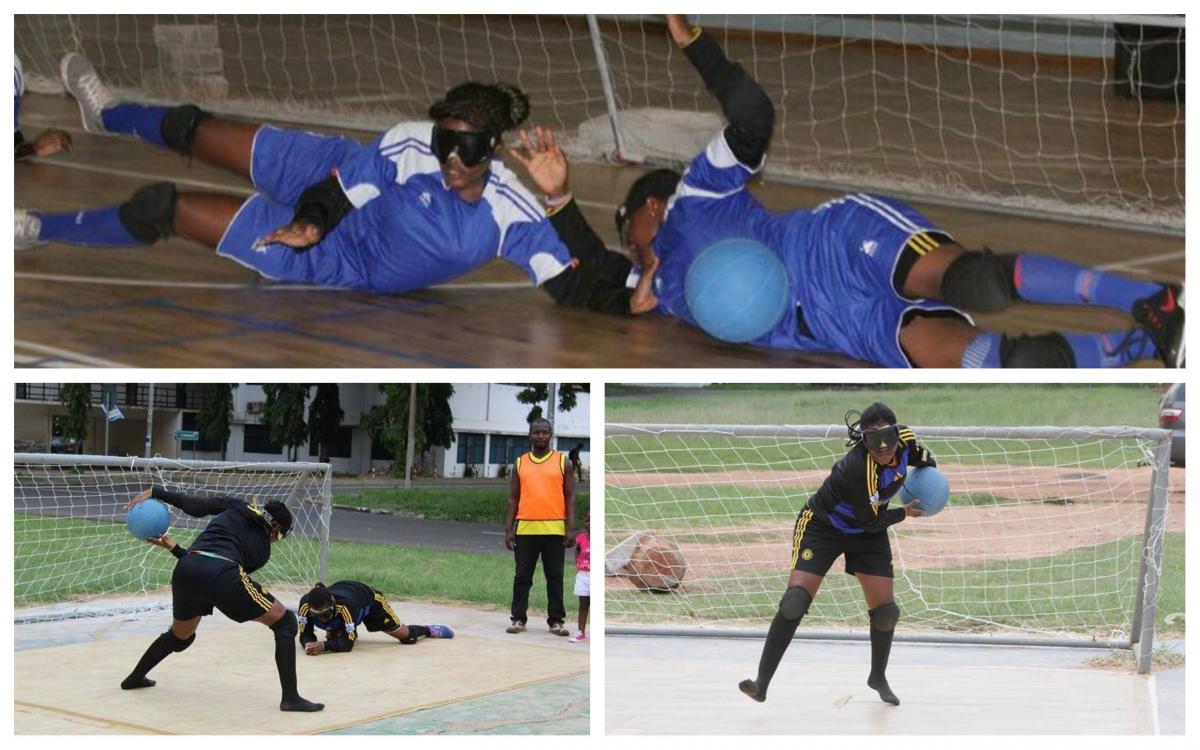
{"x":854,"y":497}
{"x":352,"y":603}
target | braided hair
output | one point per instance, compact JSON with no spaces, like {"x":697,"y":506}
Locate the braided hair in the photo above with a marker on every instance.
{"x":874,"y":414}
{"x":319,"y":597}
{"x":490,"y":108}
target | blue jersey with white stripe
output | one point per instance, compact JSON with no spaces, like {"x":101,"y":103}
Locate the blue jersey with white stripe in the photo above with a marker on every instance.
{"x":419,"y":232}
{"x":840,"y":257}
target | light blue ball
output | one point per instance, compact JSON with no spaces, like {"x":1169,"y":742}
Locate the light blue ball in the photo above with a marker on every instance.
{"x":737,"y":290}
{"x":928,"y":485}
{"x":149,"y":518}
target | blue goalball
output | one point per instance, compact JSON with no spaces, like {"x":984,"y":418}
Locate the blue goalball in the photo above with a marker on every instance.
{"x":149,"y":518}
{"x":737,"y":290}
{"x":928,"y":485}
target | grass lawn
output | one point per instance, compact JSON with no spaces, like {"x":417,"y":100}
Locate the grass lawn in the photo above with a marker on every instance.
{"x":93,"y":557}
{"x":471,"y":504}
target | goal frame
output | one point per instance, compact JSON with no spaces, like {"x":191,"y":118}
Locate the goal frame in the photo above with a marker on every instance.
{"x":322,"y":471}
{"x":1143,"y":611}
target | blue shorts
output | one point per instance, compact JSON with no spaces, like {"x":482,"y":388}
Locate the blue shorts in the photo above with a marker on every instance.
{"x":283,"y":164}
{"x":852,"y":303}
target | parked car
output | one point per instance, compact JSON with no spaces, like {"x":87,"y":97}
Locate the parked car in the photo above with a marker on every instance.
{"x":1170,"y":417}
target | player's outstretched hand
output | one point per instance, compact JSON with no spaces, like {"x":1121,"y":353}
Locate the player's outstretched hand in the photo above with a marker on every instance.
{"x":314,"y":649}
{"x":545,"y":161}
{"x":143,"y":495}
{"x":298,"y":235}
{"x":677,"y":26}
{"x":913,"y":509}
{"x":164,"y":541}
{"x":51,"y":142}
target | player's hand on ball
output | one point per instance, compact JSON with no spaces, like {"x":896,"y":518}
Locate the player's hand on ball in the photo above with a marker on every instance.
{"x":164,"y":541}
{"x":143,"y":495}
{"x":314,"y":648}
{"x":298,"y":235}
{"x":51,"y":142}
{"x":544,"y":160}
{"x":913,"y":509}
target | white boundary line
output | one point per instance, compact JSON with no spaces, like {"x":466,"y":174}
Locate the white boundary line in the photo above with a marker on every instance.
{"x":66,"y":354}
{"x":1152,"y":687}
{"x":233,"y":286}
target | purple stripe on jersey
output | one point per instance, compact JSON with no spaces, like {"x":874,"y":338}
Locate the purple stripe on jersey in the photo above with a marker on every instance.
{"x":513,"y":194}
{"x":838,"y":523}
{"x":395,"y":148}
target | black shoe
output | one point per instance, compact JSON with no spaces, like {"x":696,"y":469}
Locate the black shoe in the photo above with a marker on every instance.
{"x":1161,"y":316}
{"x":750,"y":688}
{"x":299,"y":704}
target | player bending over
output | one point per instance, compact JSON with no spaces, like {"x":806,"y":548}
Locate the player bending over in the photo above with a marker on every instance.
{"x":339,"y":610}
{"x":425,"y":203}
{"x":870,"y":277}
{"x":849,"y":516}
{"x":215,"y":572}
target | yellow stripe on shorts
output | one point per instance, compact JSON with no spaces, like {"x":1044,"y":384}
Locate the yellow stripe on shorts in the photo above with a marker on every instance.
{"x":386,"y":608}
{"x":922,"y":243}
{"x":254,"y":593}
{"x":798,"y":534}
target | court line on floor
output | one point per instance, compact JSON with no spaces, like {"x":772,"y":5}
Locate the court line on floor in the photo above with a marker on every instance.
{"x":1149,"y":260}
{"x":55,"y":351}
{"x":235,"y":286}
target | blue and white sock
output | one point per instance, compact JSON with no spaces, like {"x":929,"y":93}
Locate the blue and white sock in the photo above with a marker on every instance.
{"x":1049,"y":280}
{"x":100,"y":227}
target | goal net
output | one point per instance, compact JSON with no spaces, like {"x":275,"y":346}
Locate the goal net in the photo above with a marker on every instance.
{"x":74,"y":557}
{"x":1072,"y":116}
{"x":1050,"y":533}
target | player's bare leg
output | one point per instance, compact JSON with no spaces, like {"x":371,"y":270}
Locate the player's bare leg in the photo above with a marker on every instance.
{"x":282,"y":622}
{"x":223,"y":143}
{"x":181,"y":634}
{"x":924,"y":280}
{"x":884,"y":614}
{"x":802,"y":589}
{"x":204,"y":217}
{"x":937,"y":341}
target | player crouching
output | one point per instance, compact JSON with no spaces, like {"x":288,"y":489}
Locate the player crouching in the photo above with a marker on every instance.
{"x":339,"y":610}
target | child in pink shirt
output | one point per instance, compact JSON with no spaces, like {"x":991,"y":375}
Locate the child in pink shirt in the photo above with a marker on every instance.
{"x":583,"y":578}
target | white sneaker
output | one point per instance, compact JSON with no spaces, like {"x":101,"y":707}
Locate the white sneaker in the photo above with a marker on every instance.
{"x":579,"y":636}
{"x":26,"y":227}
{"x":89,"y":91}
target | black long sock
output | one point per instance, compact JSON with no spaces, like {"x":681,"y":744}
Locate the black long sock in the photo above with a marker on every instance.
{"x":162,"y":647}
{"x":881,"y":649}
{"x":417,"y":631}
{"x":285,"y":662}
{"x":779,"y":637}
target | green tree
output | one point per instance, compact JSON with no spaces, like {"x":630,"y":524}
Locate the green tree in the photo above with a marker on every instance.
{"x":77,"y":397}
{"x":388,"y":422}
{"x":536,"y":393}
{"x":325,"y":417}
{"x":283,"y":414}
{"x":216,"y":411}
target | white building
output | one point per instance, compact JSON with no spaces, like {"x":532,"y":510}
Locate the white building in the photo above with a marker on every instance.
{"x":490,"y":429}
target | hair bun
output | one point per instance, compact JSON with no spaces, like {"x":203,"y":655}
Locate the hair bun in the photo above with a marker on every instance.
{"x":518,"y":104}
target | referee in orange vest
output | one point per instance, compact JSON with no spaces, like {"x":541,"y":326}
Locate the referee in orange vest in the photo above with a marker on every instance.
{"x":540,"y":523}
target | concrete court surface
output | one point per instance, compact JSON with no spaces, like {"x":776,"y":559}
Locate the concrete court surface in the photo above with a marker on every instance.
{"x":665,"y":685}
{"x":483,"y":681}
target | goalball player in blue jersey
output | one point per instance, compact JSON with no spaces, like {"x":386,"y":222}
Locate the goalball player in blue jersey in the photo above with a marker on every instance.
{"x":424,"y":203}
{"x":871,"y":277}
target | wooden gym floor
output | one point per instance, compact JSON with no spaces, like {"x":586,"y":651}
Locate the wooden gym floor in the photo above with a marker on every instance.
{"x":177,"y":304}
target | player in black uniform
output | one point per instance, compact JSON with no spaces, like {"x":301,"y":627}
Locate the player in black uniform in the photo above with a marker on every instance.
{"x":339,"y":610}
{"x":849,"y":515}
{"x":215,"y":572}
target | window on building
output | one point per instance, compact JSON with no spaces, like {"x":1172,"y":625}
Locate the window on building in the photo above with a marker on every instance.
{"x":506,"y":448}
{"x":381,"y":453}
{"x":257,"y":439}
{"x":203,"y":446}
{"x":341,"y":447}
{"x":567,"y":444}
{"x":470,"y":448}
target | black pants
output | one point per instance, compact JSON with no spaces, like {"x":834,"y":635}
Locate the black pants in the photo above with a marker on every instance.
{"x":528,"y":549}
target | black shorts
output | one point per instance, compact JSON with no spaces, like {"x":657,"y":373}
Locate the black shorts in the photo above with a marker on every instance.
{"x":816,"y":544}
{"x":201,"y":583}
{"x":380,"y":617}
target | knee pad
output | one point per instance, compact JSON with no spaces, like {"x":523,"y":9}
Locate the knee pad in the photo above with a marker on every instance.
{"x":180,"y":644}
{"x":285,"y":627}
{"x":885,"y":617}
{"x":150,"y":214}
{"x":1047,"y":350}
{"x":794,"y":603}
{"x":179,"y":126}
{"x":980,"y":281}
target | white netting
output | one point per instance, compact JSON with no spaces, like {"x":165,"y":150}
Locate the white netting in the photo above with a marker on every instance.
{"x":1023,"y":112}
{"x":71,"y":544}
{"x":1043,"y":535}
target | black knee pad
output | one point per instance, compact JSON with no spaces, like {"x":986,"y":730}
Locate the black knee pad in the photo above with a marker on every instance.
{"x":179,"y":126}
{"x":285,"y":627}
{"x":1046,"y":350}
{"x":794,"y":603}
{"x":980,"y":281}
{"x":150,"y":214}
{"x":885,"y":617}
{"x":180,"y":644}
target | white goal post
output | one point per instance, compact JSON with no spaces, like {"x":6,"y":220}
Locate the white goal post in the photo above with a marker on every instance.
{"x":1077,"y":117}
{"x":74,"y":557}
{"x":1053,"y":536}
